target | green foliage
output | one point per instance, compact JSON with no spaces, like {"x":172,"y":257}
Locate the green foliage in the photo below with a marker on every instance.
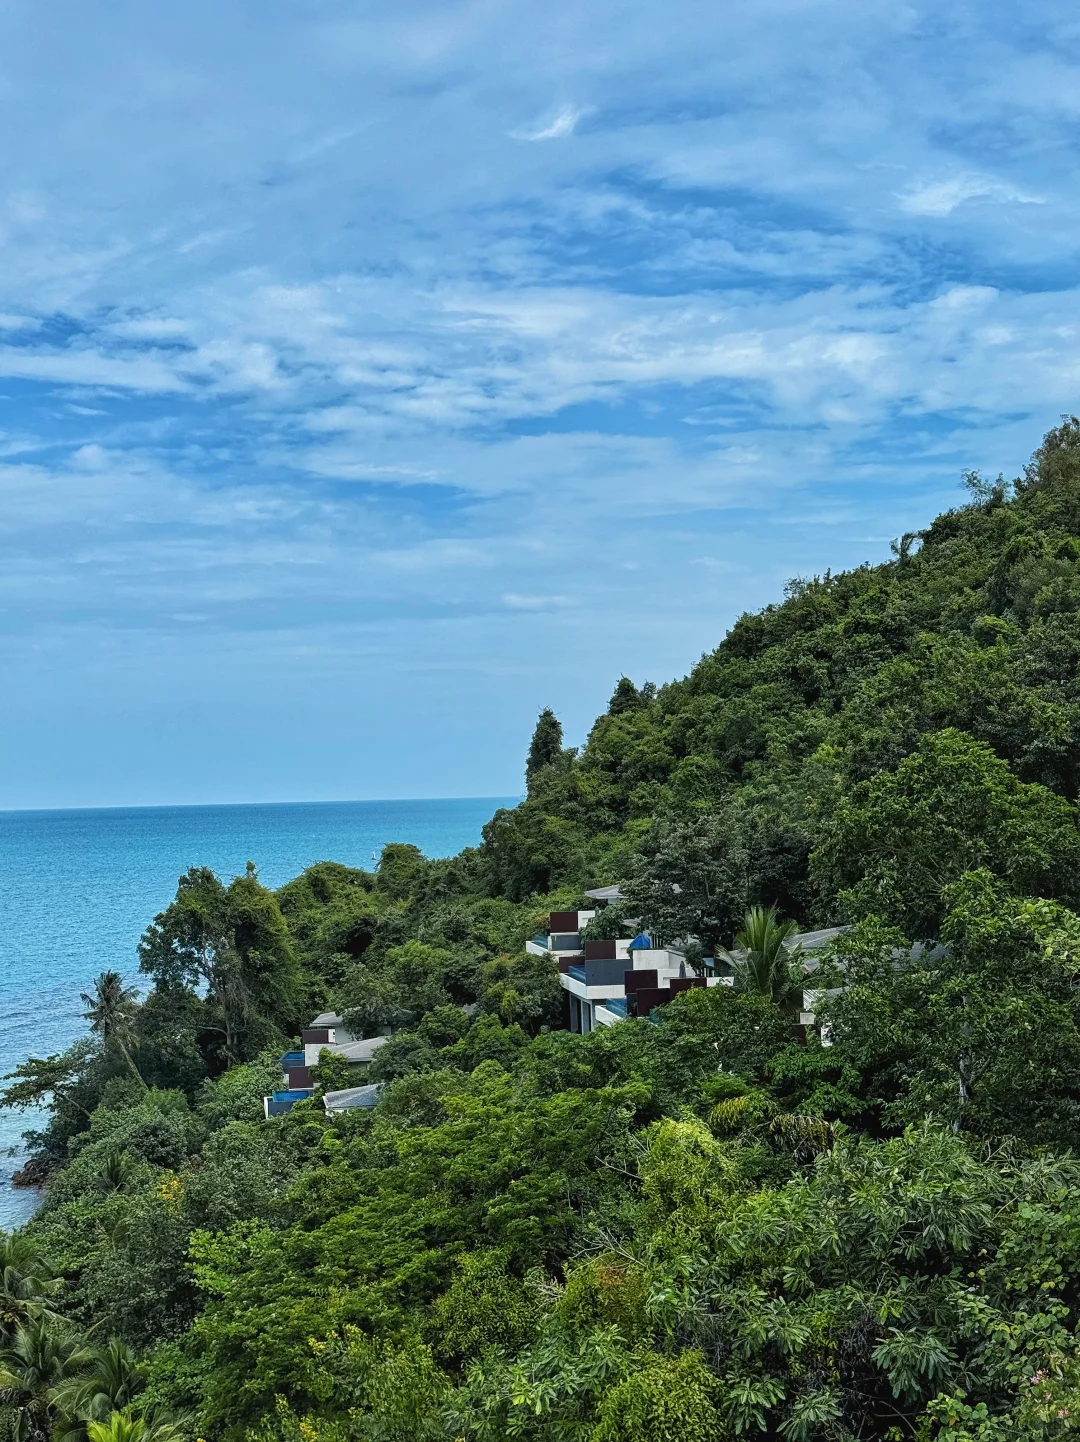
{"x":983,"y":1032}
{"x":951,"y":806}
{"x":39,"y":1359}
{"x":627,"y":697}
{"x":123,"y":1427}
{"x":237,"y":1095}
{"x":110,"y":1010}
{"x":70,"y":1083}
{"x":608,"y":923}
{"x":545,"y":748}
{"x":765,"y":962}
{"x":400,"y":870}
{"x":26,"y":1284}
{"x":235,"y":942}
{"x":444,"y":1025}
{"x":333,"y":1072}
{"x":522,"y":989}
{"x":667,"y":1399}
{"x":690,"y":878}
{"x":107,"y":1382}
{"x":484,"y":1306}
{"x":405,"y":983}
{"x":404,"y":1055}
{"x":709,"y":1224}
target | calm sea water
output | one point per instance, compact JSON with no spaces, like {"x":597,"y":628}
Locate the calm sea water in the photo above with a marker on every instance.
{"x":77,"y":889}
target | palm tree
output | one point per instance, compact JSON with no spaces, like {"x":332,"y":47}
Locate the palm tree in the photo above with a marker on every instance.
{"x":120,"y":1427}
{"x":115,"y":1173}
{"x":40,"y":1358}
{"x":123,"y":1427}
{"x":764,"y":960}
{"x":109,"y":1383}
{"x":26,"y":1284}
{"x":110,"y":1010}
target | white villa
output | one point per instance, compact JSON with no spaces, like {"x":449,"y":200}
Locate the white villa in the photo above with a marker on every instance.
{"x":606,"y":981}
{"x":327,"y":1032}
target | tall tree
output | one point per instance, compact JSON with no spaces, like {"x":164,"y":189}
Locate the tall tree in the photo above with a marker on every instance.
{"x":233,"y":942}
{"x":62,"y":1080}
{"x":625,"y":697}
{"x":894,"y":842}
{"x":690,"y":878}
{"x":546,"y":745}
{"x":110,"y":1010}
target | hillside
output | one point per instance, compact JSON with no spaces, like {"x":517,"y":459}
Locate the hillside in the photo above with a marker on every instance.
{"x":711,"y":1225}
{"x":786,"y":732}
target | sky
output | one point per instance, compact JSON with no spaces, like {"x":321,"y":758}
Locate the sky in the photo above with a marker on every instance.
{"x":373,"y":375}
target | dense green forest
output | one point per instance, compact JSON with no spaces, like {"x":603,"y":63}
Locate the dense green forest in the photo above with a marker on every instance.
{"x":710,"y":1225}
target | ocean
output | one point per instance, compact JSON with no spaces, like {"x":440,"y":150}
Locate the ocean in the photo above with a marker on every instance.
{"x":77,"y":889}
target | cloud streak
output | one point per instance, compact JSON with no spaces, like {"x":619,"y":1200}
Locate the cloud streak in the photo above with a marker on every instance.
{"x":941,"y":197}
{"x":559,"y":127}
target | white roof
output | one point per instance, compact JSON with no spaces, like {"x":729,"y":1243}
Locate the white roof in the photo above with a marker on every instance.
{"x":806,"y":941}
{"x":811,"y":940}
{"x":605,"y":893}
{"x":358,"y":1051}
{"x":329,"y":1018}
{"x":352,"y":1099}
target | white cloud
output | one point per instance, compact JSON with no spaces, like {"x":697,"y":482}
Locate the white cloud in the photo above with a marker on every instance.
{"x":151,"y":328}
{"x":517,"y":602}
{"x":91,"y":368}
{"x":941,"y":197}
{"x":561,"y":125}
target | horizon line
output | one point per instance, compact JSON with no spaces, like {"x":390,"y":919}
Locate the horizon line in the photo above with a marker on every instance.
{"x":222,"y":805}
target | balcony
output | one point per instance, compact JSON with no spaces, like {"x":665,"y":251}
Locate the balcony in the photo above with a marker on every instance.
{"x":557,"y":944}
{"x":278,"y":1103}
{"x":600,"y":971}
{"x":616,"y":1005}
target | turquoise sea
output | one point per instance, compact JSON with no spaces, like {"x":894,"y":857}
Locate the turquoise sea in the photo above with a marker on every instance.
{"x":77,"y":888}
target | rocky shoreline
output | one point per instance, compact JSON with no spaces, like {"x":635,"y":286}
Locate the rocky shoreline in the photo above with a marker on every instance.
{"x":32,"y":1174}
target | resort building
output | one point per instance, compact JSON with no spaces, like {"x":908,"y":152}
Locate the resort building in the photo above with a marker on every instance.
{"x":605,"y":981}
{"x":351,"y":1099}
{"x":327,"y":1032}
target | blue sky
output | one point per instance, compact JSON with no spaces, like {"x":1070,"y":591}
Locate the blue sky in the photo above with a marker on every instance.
{"x":372,"y":375}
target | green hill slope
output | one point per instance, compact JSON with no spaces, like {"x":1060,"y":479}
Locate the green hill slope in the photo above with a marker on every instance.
{"x":789,"y":728}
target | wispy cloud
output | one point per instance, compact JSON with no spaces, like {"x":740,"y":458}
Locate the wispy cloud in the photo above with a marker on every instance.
{"x":557,"y":127}
{"x":517,"y":602}
{"x":941,"y":197}
{"x":91,"y":368}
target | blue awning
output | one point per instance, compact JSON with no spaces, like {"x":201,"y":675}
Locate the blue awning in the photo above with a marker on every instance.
{"x":641,"y":942}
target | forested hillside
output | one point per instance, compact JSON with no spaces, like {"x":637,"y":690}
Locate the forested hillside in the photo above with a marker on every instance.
{"x":709,"y":1225}
{"x":788,"y":741}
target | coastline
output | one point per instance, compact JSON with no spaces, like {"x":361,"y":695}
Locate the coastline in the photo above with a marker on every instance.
{"x":127,"y":861}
